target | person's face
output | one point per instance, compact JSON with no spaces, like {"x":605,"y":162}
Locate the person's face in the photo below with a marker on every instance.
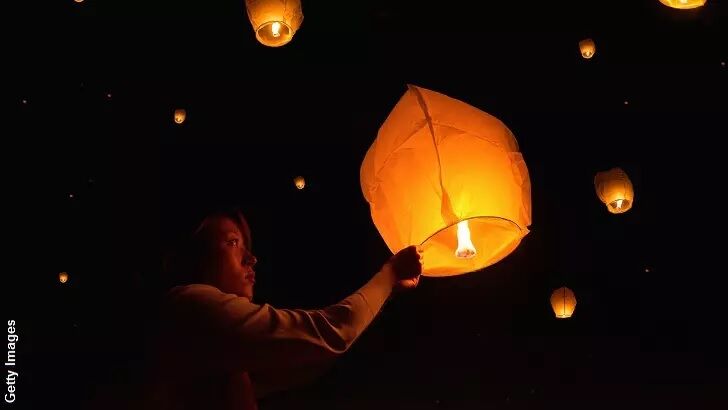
{"x":229,"y":264}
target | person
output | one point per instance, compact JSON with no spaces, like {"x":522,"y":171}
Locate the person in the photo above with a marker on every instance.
{"x":218,"y":349}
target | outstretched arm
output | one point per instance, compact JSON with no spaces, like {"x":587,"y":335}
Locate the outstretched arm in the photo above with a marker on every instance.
{"x":244,"y":336}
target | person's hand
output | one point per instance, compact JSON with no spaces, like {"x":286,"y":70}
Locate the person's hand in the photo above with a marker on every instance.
{"x":407,"y":267}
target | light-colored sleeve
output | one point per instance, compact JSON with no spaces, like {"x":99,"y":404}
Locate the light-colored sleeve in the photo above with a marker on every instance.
{"x":238,"y":335}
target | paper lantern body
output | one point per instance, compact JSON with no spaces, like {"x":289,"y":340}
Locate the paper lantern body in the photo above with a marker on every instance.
{"x":274,"y":21}
{"x":180,"y":115}
{"x":615,"y":190}
{"x":587,"y":48}
{"x":563,"y":302}
{"x":683,"y":4}
{"x":438,"y":161}
{"x":299,"y":182}
{"x":63,"y":277}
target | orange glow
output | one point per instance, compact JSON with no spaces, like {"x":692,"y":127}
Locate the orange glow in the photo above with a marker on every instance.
{"x":299,"y":182}
{"x":180,"y":115}
{"x":63,"y":277}
{"x":274,"y":21}
{"x":449,"y":177}
{"x":683,"y":4}
{"x":465,"y":249}
{"x":615,"y":190}
{"x":587,"y":48}
{"x":563,"y":302}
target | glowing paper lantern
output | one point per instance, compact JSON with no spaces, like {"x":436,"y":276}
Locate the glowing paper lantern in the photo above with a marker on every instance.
{"x":180,"y":115}
{"x":300,"y":182}
{"x":683,"y":4}
{"x":63,"y":277}
{"x":615,"y":190}
{"x":563,"y":302}
{"x":274,"y":21}
{"x":587,"y":48}
{"x":447,"y":176}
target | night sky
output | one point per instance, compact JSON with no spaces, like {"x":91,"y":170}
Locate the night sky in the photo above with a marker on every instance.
{"x":100,"y":180}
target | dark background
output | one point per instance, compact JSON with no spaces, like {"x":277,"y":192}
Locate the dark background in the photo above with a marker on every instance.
{"x":101,"y":80}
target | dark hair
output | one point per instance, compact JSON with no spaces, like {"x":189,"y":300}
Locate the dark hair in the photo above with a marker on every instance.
{"x":182,"y":260}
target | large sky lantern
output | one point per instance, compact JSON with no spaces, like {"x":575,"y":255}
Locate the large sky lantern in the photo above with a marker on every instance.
{"x":450,"y":177}
{"x":274,"y":21}
{"x":615,"y":190}
{"x":563,"y":302}
{"x":683,"y":4}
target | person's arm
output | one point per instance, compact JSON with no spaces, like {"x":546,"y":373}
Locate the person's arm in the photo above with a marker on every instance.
{"x":250,"y":337}
{"x":225,"y":331}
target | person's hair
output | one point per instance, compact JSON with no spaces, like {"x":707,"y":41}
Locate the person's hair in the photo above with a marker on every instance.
{"x":182,"y":262}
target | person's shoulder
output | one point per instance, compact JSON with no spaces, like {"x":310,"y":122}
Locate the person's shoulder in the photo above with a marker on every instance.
{"x":193,"y":289}
{"x":195,"y":292}
{"x":205,"y":302}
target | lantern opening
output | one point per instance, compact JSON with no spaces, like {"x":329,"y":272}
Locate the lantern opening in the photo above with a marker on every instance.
{"x":619,"y":205}
{"x":274,"y":33}
{"x":466,"y":249}
{"x":493,"y":237}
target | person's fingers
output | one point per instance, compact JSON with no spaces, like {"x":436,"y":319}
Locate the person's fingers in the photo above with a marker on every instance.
{"x":410,"y":283}
{"x":407,"y":283}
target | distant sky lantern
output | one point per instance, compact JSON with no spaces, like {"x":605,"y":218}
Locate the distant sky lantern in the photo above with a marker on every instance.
{"x":63,"y":277}
{"x":563,"y":302}
{"x":683,"y":4}
{"x":274,"y":21}
{"x":180,"y":114}
{"x":615,"y":190}
{"x":447,"y":176}
{"x":299,"y":182}
{"x":587,"y":48}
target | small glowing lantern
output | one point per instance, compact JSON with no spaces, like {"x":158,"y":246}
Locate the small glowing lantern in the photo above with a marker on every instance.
{"x":563,"y":302}
{"x":63,"y":277}
{"x":180,"y":115}
{"x":683,"y":4}
{"x":587,"y":48}
{"x":449,"y":177}
{"x":274,"y":21}
{"x":299,"y":181}
{"x":615,"y":190}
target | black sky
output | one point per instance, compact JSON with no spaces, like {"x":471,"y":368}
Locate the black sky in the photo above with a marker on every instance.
{"x":257,"y":117}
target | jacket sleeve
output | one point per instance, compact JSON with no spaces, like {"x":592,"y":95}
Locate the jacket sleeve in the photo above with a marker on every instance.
{"x":242,"y":336}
